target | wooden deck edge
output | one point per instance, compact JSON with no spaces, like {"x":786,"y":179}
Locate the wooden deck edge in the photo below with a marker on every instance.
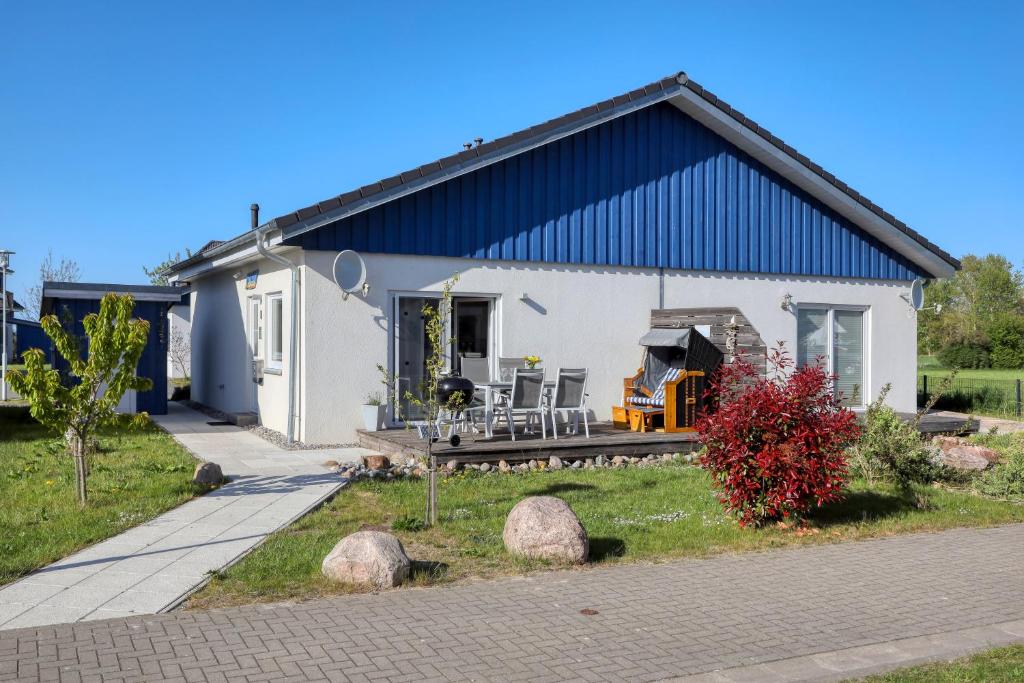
{"x":576,"y":448}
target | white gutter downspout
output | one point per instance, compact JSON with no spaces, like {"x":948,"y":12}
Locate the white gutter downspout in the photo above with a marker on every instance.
{"x":293,"y":352}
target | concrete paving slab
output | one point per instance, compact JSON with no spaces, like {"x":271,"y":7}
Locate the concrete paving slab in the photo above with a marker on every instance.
{"x":150,"y":568}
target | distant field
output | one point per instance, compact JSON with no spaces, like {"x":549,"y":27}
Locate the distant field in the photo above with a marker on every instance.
{"x":929,"y":365}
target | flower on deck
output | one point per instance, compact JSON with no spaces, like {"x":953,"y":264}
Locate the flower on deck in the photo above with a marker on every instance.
{"x":532,"y":361}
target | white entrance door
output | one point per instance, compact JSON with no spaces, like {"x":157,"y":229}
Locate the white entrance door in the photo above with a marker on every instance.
{"x":254,"y":339}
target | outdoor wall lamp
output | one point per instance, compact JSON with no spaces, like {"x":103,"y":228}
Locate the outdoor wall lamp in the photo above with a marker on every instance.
{"x":787,"y":302}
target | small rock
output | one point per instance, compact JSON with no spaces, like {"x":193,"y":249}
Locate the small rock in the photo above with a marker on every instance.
{"x":667,"y":457}
{"x":376,"y":462}
{"x":554,"y":462}
{"x":634,"y":460}
{"x":451,"y":465}
{"x":619,"y":461}
{"x":411,"y":462}
{"x":589,"y":464}
{"x":330,"y":463}
{"x":522,"y":469}
{"x":532,"y":465}
{"x":485,"y":467}
{"x":504,"y":466}
{"x":368,"y":557}
{"x":600,"y":461}
{"x":417,"y":473}
{"x":208,"y":474}
{"x":577,"y":464}
{"x":545,"y":527}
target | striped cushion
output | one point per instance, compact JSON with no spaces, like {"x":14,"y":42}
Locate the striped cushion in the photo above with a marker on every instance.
{"x":658,"y":397}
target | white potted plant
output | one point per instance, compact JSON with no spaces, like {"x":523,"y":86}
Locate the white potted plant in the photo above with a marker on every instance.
{"x":373,"y":412}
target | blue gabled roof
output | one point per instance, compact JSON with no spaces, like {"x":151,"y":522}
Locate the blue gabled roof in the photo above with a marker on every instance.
{"x":624,"y":182}
{"x":652,"y":188}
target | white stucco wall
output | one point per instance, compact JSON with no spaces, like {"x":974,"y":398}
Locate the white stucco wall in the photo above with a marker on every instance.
{"x":179,"y":322}
{"x":573,"y":317}
{"x":221,"y":375}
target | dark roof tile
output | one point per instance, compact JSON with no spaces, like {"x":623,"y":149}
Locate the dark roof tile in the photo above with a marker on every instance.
{"x":329,"y":204}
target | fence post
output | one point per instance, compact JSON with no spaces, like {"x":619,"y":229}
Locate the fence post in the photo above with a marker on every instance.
{"x":924,"y":378}
{"x":1018,"y":397}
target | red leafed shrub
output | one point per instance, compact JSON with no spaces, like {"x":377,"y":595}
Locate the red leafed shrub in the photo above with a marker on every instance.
{"x":775,"y":444}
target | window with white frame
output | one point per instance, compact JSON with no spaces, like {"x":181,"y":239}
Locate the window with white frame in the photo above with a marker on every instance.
{"x":835,"y":337}
{"x":275,"y":330}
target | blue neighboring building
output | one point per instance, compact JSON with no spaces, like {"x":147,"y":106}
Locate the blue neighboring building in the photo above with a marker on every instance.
{"x":72,"y":301}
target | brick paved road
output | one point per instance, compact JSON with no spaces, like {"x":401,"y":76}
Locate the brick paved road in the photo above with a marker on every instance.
{"x":653,"y":621}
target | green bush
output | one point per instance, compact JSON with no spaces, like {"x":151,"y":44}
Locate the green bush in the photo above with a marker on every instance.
{"x":1005,"y":479}
{"x":965,"y":356}
{"x":1007,"y":338}
{"x":890,"y":448}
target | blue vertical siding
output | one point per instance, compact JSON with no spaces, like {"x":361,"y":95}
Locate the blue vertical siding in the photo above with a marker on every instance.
{"x":30,"y":336}
{"x":152,"y":363}
{"x":653,"y":188}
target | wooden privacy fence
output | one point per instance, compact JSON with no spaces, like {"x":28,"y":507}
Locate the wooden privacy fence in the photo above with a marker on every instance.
{"x":731,"y":331}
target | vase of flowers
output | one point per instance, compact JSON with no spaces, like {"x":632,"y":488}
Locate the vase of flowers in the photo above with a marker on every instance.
{"x":532,"y":361}
{"x":373,"y":412}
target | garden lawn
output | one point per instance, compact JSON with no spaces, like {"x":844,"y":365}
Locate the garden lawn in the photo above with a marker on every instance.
{"x":630,"y":514}
{"x":1000,"y":664}
{"x":135,"y":476}
{"x":935,"y":373}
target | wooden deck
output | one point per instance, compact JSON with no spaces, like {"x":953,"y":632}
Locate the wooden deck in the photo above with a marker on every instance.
{"x":604,"y":440}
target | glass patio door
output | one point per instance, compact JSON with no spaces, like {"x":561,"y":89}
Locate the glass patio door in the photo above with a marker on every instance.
{"x":836,"y":338}
{"x":468,"y":335}
{"x":413,"y":348}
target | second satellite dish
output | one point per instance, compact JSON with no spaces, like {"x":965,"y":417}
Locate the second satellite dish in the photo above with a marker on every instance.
{"x":350,"y":273}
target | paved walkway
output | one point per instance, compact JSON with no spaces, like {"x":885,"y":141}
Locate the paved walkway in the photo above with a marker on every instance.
{"x":986,"y":424}
{"x":813,"y":613}
{"x":152,"y":567}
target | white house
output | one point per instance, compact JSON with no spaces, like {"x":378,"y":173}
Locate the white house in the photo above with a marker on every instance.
{"x":566,"y":236}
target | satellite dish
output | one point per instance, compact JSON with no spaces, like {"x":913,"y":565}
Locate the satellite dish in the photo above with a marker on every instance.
{"x":350,"y":272}
{"x":917,"y":294}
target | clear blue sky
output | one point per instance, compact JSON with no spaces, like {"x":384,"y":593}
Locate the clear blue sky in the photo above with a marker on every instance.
{"x":132,"y":130}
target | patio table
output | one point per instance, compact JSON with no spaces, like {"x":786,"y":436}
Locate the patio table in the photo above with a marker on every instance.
{"x":490,"y":388}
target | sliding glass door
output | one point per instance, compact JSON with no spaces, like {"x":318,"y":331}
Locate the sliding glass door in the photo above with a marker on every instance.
{"x":469,"y":334}
{"x":836,"y":338}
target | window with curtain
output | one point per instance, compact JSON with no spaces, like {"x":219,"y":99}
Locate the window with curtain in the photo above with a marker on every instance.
{"x":835,"y":338}
{"x":275,"y":340}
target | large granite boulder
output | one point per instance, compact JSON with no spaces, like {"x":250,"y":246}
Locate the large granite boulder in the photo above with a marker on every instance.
{"x":545,"y":527}
{"x":371,"y":558}
{"x":961,"y":454}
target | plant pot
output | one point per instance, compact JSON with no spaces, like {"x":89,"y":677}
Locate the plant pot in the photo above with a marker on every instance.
{"x":373,"y":418}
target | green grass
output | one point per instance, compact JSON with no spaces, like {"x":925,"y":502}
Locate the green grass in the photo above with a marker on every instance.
{"x":134,"y":477}
{"x":630,"y":515}
{"x":993,"y":666}
{"x":934,"y":373}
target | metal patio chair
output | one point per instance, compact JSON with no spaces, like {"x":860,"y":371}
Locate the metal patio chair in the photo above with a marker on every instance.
{"x":526,"y":399}
{"x":570,"y":398}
